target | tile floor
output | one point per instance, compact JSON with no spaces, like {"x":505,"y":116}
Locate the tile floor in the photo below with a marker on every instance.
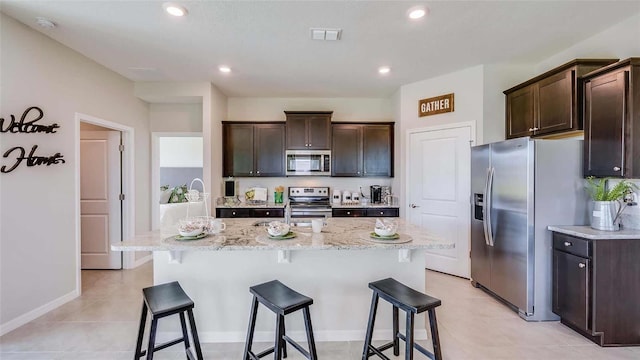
{"x":102,"y":325}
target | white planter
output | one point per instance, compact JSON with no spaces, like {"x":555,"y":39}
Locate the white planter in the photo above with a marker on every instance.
{"x":604,"y":215}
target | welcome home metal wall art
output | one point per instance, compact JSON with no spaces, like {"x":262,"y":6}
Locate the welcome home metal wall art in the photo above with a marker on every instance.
{"x":27,"y":125}
{"x":435,"y":105}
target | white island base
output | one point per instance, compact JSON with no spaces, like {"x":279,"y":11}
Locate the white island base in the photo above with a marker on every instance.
{"x":337,"y":280}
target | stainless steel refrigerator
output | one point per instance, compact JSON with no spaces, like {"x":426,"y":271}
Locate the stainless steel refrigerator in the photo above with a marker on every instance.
{"x":519,"y":187}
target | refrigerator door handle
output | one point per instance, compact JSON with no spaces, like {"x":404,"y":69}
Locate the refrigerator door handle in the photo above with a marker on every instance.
{"x":485,"y":208}
{"x":489,"y":204}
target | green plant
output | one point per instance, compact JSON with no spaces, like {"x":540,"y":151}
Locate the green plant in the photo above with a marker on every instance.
{"x":598,"y":190}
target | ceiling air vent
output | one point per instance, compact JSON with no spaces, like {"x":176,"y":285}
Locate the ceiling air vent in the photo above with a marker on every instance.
{"x":325,"y":34}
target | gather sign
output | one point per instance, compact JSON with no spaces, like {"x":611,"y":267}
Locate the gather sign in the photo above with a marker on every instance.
{"x":435,"y":105}
{"x":28,"y":125}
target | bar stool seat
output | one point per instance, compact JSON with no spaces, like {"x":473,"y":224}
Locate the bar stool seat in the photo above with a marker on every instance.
{"x":412,"y":302}
{"x":161,"y":301}
{"x":282,"y":300}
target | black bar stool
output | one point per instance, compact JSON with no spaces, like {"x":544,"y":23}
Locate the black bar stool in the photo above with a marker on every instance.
{"x":164,"y":300}
{"x":281,"y":300}
{"x":412,"y":302}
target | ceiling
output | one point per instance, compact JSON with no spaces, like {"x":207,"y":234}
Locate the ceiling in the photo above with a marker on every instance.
{"x":267,"y":44}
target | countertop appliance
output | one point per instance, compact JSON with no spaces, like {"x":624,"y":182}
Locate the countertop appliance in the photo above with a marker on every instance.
{"x":376,"y":194}
{"x":309,"y":202}
{"x":308,"y":162}
{"x":519,"y":187}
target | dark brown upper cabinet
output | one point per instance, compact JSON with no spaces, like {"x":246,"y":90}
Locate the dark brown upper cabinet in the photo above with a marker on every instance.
{"x":253,"y":149}
{"x":550,"y":103}
{"x":362,"y":149}
{"x":308,"y":130}
{"x":612,"y":120}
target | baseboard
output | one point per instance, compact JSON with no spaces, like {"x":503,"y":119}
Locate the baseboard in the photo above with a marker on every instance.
{"x":267,"y":336}
{"x":36,"y":313}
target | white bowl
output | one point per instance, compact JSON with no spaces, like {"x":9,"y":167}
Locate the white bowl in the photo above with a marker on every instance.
{"x":277,"y":228}
{"x":384,"y":232}
{"x":195,"y":232}
{"x":190,"y":228}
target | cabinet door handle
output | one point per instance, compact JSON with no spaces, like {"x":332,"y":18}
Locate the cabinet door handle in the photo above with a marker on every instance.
{"x":616,"y":168}
{"x":381,"y":212}
{"x":536,"y":129}
{"x":257,"y":172}
{"x":531,"y":129}
{"x":348,"y":212}
{"x":233,"y":213}
{"x":267,"y":213}
{"x":251,"y":172}
{"x":309,"y":144}
{"x":566,"y":243}
{"x":581,"y":265}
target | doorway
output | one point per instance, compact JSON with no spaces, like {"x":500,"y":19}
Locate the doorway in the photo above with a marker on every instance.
{"x":438,"y":186}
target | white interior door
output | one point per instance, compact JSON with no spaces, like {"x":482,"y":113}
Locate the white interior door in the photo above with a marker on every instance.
{"x":100,"y":206}
{"x":438,"y":186}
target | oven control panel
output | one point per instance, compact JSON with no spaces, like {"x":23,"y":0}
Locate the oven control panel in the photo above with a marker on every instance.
{"x":309,"y":191}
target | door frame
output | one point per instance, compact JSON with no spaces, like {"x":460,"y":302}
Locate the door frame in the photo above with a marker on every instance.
{"x":473,"y":135}
{"x":155,"y":171}
{"x":128,"y":186}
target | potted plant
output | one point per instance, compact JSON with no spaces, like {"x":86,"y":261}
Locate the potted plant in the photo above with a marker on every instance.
{"x":607,"y":205}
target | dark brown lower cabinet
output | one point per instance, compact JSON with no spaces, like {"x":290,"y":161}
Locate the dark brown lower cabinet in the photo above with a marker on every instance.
{"x":596,"y":288}
{"x":368,"y":212}
{"x":249,"y":212}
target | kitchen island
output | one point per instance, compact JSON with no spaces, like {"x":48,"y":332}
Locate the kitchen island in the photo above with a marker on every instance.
{"x":333,"y":267}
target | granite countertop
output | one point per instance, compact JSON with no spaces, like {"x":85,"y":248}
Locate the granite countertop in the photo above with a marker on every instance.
{"x":588,"y":233}
{"x":241,"y":234}
{"x":360,"y":206}
{"x":243,"y":205}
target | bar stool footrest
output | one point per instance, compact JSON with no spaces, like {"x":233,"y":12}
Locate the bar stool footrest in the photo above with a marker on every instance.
{"x":190,"y":355}
{"x":376,"y":351}
{"x":297,"y":346}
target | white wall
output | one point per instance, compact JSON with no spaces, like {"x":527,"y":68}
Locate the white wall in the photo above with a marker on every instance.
{"x":175,"y":117}
{"x":37,"y":223}
{"x":180,"y":151}
{"x":344,"y":109}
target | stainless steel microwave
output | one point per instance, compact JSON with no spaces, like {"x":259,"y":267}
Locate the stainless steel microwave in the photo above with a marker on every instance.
{"x":309,"y":162}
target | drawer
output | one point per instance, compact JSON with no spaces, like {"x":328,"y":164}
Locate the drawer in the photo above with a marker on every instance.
{"x":348,"y":212}
{"x":268,"y":213}
{"x":384,"y":212}
{"x":571,"y":244}
{"x":233,"y":213}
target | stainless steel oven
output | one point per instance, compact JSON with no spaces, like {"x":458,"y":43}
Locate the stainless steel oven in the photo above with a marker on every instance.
{"x":309,"y":162}
{"x":309,"y":202}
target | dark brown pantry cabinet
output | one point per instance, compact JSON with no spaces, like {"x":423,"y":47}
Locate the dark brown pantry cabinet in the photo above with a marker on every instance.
{"x":253,"y":149}
{"x":362,"y":149}
{"x":612,"y":120}
{"x":596,"y":287}
{"x":308,"y":130}
{"x":549,"y":103}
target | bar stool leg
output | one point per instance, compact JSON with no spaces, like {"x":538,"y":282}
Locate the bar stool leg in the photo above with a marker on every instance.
{"x":284,"y":343}
{"x":152,"y":337}
{"x":143,"y":321}
{"x":396,"y":331}
{"x":409,"y":335}
{"x":194,"y":333}
{"x":252,"y":326}
{"x":185,"y":335}
{"x":437,"y":352}
{"x":312,"y":344}
{"x":277,"y":352}
{"x":371,"y":322}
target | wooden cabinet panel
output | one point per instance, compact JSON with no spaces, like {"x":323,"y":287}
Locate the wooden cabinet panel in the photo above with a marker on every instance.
{"x":571,"y":288}
{"x":348,"y":212}
{"x":383,"y":212}
{"x":346,"y":151}
{"x":253,"y":149}
{"x":267,"y":213}
{"x":308,"y":130}
{"x":571,"y":244}
{"x":377,"y":150}
{"x":237,"y":150}
{"x":269,"y":150}
{"x":556,"y":103}
{"x":249,"y":213}
{"x":233,"y":213}
{"x":605,"y":98}
{"x":520,"y":112}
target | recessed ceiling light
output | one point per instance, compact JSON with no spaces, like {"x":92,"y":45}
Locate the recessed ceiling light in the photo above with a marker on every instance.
{"x":224,"y":69}
{"x":417,"y":13}
{"x":384,"y":69}
{"x":175,"y":9}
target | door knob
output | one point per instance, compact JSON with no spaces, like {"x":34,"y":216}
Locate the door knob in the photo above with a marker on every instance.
{"x":413,"y":206}
{"x":616,"y":168}
{"x":581,"y":265}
